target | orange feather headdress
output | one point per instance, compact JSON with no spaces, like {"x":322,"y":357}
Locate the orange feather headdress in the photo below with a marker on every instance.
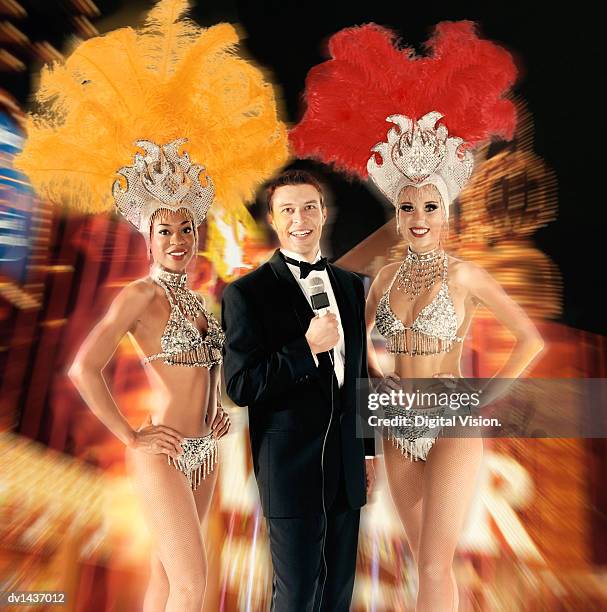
{"x":136,"y":92}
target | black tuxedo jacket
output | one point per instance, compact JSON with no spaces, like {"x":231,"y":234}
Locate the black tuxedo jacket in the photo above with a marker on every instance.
{"x":269,"y":367}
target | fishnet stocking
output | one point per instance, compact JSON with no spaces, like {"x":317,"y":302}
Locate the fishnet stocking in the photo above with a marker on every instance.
{"x":174,"y":514}
{"x":431,"y":499}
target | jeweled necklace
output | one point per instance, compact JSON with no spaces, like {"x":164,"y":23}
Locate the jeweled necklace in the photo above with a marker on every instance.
{"x":419,"y":271}
{"x":172,"y":279}
{"x":175,"y":286}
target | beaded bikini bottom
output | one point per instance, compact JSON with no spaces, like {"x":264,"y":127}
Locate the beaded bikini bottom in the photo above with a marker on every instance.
{"x":414,"y":436}
{"x":198,"y":458}
{"x":413,"y":440}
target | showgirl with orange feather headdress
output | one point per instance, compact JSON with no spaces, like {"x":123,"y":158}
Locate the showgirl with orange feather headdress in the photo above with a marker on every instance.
{"x":148,"y":94}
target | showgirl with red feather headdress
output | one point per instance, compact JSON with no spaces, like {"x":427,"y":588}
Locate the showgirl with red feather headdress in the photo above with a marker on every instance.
{"x":440,"y":106}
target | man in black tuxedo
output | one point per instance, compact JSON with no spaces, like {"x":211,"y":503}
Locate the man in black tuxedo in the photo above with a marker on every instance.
{"x":296,"y":372}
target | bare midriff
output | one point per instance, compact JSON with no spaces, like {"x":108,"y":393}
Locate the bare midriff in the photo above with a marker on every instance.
{"x":181,"y":396}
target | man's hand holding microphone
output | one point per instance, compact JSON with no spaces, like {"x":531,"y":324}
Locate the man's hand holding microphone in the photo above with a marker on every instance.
{"x":323,"y":331}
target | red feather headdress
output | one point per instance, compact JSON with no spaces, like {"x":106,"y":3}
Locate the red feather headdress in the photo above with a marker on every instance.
{"x":443,"y":104}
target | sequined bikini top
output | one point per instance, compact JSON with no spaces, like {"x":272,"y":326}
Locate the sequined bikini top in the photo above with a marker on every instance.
{"x":433,"y":331}
{"x":181,"y":342}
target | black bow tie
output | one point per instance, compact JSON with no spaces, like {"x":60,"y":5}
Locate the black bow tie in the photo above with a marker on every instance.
{"x":304,"y":267}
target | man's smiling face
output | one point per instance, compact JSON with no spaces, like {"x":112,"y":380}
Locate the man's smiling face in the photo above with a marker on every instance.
{"x":297,"y":218}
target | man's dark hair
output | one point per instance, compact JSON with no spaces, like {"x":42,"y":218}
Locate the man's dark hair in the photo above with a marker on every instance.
{"x":292,"y":177}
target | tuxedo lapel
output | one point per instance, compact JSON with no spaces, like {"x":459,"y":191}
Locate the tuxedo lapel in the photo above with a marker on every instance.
{"x":289,"y":287}
{"x":346,"y":301}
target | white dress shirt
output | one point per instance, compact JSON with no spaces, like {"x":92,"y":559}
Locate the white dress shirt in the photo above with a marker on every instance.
{"x":339,"y":351}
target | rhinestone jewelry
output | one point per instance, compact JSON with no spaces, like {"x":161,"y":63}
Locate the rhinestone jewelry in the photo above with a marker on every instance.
{"x":419,"y":271}
{"x":433,"y":331}
{"x":181,"y":342}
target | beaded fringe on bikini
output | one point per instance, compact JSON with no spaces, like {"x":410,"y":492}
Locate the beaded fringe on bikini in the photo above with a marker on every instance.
{"x":417,"y":343}
{"x":414,"y":449}
{"x":197,"y":460}
{"x":203,"y":355}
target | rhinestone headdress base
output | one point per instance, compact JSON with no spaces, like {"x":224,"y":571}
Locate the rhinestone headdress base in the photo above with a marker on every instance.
{"x":161,"y":179}
{"x":418,"y":153}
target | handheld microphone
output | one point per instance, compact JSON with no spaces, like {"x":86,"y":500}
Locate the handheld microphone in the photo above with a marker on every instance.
{"x":320,"y":301}
{"x":318,"y":295}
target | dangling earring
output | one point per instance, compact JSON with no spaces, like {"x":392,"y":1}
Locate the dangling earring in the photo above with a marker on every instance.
{"x":444,"y":237}
{"x":149,"y":242}
{"x":192,"y":263}
{"x":444,"y":233}
{"x":397,"y":224}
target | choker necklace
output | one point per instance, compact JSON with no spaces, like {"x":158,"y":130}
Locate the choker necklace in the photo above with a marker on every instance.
{"x":172,"y":279}
{"x":419,"y":271}
{"x":178,"y":294}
